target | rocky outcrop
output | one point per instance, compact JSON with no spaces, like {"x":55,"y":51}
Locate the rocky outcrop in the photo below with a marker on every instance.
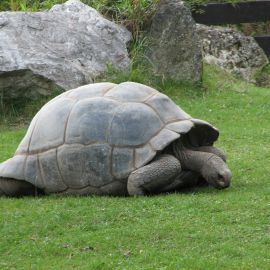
{"x":67,"y":46}
{"x":174,"y":50}
{"x":232,"y":51}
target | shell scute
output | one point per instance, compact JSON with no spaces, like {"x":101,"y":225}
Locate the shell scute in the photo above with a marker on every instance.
{"x":115,"y":188}
{"x":32,"y":172}
{"x":23,"y":147}
{"x":89,"y":165}
{"x":13,"y":167}
{"x":50,"y":126}
{"x":122,"y":162}
{"x":181,"y":127}
{"x":166,"y":108}
{"x":163,"y":139}
{"x":134,"y":124}
{"x":143,"y":155}
{"x":90,"y":91}
{"x":131,"y":92}
{"x":50,"y":172}
{"x":90,"y":120}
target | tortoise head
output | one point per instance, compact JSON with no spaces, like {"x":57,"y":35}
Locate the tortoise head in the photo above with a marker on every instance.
{"x":216,"y":172}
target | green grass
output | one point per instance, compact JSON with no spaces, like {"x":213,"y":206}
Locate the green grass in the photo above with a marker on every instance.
{"x":197,"y":229}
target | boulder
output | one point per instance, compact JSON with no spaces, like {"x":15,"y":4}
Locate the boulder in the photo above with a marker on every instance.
{"x":174,"y":50}
{"x":232,"y":51}
{"x":67,"y":46}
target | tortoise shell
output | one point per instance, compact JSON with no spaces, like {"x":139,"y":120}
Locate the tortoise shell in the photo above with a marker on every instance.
{"x":89,"y":139}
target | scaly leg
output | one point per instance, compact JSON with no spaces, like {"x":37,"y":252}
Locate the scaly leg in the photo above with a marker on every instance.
{"x":185,"y":179}
{"x":16,"y":188}
{"x":153,"y":177}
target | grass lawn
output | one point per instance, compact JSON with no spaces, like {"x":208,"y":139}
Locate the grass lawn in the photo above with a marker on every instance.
{"x":197,"y":229}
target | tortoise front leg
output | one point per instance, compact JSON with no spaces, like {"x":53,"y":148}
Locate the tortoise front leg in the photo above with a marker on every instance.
{"x":16,"y":188}
{"x":153,"y":177}
{"x":185,"y":179}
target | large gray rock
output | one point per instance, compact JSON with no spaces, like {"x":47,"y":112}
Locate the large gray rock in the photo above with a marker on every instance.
{"x":232,"y":51}
{"x":174,"y":50}
{"x":68,"y":46}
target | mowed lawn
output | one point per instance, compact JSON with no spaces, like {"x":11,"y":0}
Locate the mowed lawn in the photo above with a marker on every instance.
{"x":196,"y":229}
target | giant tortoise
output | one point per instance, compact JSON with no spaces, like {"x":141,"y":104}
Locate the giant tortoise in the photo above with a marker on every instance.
{"x":113,"y":139}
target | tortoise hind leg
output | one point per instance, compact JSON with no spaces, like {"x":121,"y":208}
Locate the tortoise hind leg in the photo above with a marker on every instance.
{"x":154,"y":177}
{"x":16,"y":188}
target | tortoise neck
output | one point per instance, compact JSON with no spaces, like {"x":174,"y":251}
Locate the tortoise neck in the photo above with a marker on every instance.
{"x":177,"y":148}
{"x":190,"y":159}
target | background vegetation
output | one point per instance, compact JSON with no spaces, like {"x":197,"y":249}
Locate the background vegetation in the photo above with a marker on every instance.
{"x":102,"y":5}
{"x":195,"y":229}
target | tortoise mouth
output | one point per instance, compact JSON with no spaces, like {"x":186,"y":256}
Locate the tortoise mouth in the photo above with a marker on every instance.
{"x":223,"y":180}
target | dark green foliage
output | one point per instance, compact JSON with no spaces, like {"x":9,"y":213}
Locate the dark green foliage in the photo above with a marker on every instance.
{"x":20,"y":110}
{"x":263,"y":77}
{"x":119,"y":9}
{"x":132,"y":13}
{"x":194,"y":3}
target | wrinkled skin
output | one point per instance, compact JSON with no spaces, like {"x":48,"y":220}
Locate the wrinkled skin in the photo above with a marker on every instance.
{"x":181,"y":166}
{"x":208,"y":161}
{"x":216,"y":172}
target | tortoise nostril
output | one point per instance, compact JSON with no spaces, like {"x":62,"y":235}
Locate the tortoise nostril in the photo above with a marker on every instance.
{"x":225,"y":175}
{"x":224,"y":179}
{"x":220,"y":177}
